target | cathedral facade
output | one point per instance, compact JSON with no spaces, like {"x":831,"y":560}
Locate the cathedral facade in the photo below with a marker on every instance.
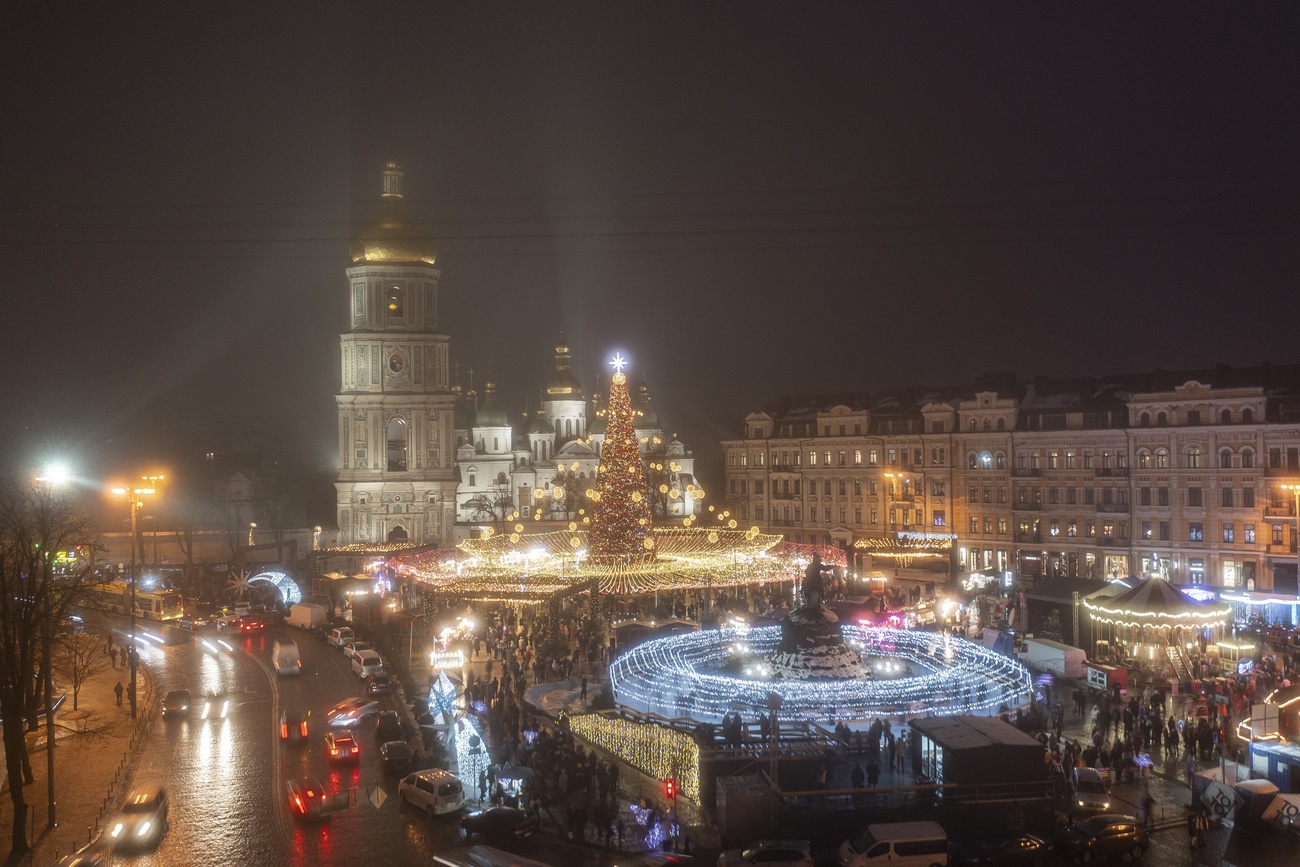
{"x":422,"y":460}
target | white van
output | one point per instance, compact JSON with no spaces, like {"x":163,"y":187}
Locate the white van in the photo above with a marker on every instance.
{"x":285,"y":658}
{"x":366,"y":663}
{"x":896,"y":844}
{"x":340,"y":636}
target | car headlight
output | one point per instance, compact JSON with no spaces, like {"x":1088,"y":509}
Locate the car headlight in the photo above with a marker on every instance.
{"x":144,"y":828}
{"x":1105,"y":805}
{"x":1081,"y":804}
{"x":117,"y":830}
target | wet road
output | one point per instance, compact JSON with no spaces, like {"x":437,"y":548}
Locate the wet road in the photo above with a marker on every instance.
{"x":226,"y":777}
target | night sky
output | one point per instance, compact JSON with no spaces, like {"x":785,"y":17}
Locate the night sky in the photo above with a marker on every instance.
{"x":748,"y":199}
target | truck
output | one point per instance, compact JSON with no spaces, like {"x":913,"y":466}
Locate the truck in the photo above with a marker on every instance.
{"x":308,"y":615}
{"x":1060,"y":659}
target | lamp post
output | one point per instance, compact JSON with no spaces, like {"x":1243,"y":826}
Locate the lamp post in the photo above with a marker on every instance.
{"x":133,"y":496}
{"x":1294,"y":488}
{"x":55,"y":475}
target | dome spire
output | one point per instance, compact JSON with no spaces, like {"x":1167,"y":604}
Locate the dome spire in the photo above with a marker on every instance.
{"x":392,"y":180}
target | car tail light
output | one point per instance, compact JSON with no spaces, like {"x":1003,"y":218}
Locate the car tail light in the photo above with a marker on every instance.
{"x":284,"y":731}
{"x":302,"y":727}
{"x":334,"y":751}
{"x":301,"y":807}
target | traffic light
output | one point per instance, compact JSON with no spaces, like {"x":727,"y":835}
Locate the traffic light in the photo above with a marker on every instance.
{"x":670,"y":788}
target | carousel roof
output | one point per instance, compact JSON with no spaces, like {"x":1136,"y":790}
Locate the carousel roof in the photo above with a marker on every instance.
{"x":1157,"y":602}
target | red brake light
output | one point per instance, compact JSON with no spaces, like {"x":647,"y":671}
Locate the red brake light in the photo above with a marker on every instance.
{"x":303,"y":727}
{"x":284,"y":730}
{"x":334,"y":752}
{"x":298,"y":801}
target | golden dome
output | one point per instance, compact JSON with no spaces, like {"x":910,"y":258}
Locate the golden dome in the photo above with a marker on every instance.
{"x":392,"y":238}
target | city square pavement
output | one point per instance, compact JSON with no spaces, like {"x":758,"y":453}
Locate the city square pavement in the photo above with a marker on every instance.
{"x":94,"y":752}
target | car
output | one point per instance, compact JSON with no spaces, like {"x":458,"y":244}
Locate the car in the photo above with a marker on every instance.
{"x":1009,"y":850}
{"x":251,"y":624}
{"x":306,"y":799}
{"x":215,"y":707}
{"x":176,"y":703}
{"x":340,"y":636}
{"x":1090,"y":795}
{"x":434,"y":791}
{"x":341,"y":747}
{"x":227,"y":620}
{"x":387,"y":726}
{"x":352,"y":647}
{"x":501,"y":822}
{"x":293,"y":725}
{"x":395,"y":757}
{"x":143,"y":819}
{"x":770,"y":853}
{"x":379,"y":684}
{"x":349,"y":713}
{"x":1104,"y":836}
{"x":192,"y":621}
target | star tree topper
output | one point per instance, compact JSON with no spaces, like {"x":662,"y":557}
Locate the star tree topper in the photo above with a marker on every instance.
{"x":618,"y":362}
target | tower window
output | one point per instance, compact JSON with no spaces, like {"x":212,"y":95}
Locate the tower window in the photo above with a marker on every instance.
{"x":395,"y":301}
{"x":397,"y":445}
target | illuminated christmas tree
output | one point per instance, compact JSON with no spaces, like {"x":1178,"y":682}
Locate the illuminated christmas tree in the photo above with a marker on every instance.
{"x":621,"y":528}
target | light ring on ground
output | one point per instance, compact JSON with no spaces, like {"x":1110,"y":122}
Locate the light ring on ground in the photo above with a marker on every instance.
{"x":289,"y":590}
{"x":677,"y":677}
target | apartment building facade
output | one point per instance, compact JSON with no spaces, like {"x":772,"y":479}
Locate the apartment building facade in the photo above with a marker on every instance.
{"x":1181,"y":472}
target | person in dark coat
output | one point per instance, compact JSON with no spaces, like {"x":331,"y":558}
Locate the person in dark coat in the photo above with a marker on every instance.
{"x":873,"y":774}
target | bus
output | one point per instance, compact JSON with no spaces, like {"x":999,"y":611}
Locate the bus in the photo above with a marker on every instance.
{"x":150,"y":604}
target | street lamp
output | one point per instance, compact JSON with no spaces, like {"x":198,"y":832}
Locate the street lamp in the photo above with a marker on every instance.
{"x":133,"y":496}
{"x":55,"y":476}
{"x":251,"y":527}
{"x":1294,"y":488}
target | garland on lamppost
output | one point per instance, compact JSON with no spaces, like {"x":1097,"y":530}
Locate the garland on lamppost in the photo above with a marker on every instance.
{"x":621,"y":528}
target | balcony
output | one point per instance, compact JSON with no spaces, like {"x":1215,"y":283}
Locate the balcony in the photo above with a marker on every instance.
{"x":1029,"y":537}
{"x":785,"y":468}
{"x":1113,"y":508}
{"x":1287,"y":511}
{"x":775,"y":496}
{"x":1026,"y":507}
{"x":1281,"y":549}
{"x":1113,"y":473}
{"x":1113,"y":542}
{"x":1026,"y":473}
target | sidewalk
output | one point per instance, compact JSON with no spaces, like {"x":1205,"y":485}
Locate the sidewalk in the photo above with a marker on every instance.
{"x":94,"y":751}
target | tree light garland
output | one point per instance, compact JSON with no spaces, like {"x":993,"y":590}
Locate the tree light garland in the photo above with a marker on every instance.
{"x":678,"y":676}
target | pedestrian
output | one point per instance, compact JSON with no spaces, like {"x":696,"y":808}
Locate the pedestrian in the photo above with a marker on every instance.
{"x":118,"y":689}
{"x":584,"y":689}
{"x":112,"y":655}
{"x":130,"y":693}
{"x":1149,"y":811}
{"x":873,"y":774}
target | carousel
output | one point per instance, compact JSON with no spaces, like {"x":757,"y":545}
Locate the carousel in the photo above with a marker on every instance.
{"x":1155,"y":626}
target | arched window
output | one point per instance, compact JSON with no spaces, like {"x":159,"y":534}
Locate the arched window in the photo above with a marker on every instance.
{"x":972,"y":461}
{"x":398,"y":534}
{"x":472,"y":480}
{"x":496,"y":444}
{"x":397,"y":445}
{"x":1247,"y":457}
{"x":1144,"y":459}
{"x":1225,"y":458}
{"x":974,"y":425}
{"x":395,"y":302}
{"x":501,"y":478}
{"x":986,"y":461}
{"x":1225,"y":417}
{"x":988,"y":425}
{"x":1000,"y":460}
{"x":1194,"y":458}
{"x":1144,"y":420}
{"x":1002,"y":424}
{"x":1247,"y":416}
{"x":1162,"y":459}
{"x":1162,"y":419}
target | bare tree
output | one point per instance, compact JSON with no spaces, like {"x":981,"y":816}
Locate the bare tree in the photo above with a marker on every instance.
{"x":35,"y":524}
{"x":79,"y":658}
{"x":573,"y":489}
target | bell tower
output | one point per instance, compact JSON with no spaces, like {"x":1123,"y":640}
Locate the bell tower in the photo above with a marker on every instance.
{"x":396,"y":478}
